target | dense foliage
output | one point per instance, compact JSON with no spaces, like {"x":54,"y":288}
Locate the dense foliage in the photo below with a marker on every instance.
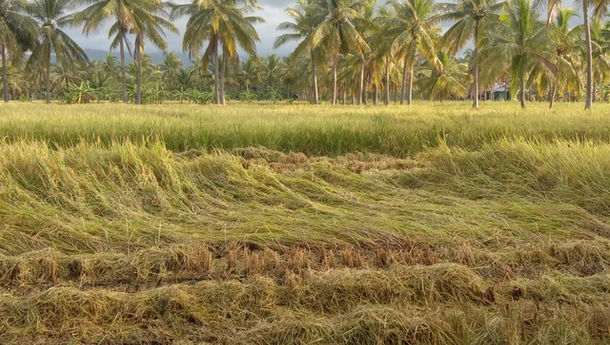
{"x":348,"y":51}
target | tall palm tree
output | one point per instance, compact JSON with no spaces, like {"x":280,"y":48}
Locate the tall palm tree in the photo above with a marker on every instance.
{"x":469,"y":17}
{"x":367,"y":27}
{"x":52,"y":15}
{"x":338,"y":35}
{"x":599,"y":8}
{"x":382,"y":42}
{"x":411,"y":26}
{"x":524,"y":40}
{"x":600,"y":54}
{"x":123,"y":13}
{"x":18,"y":32}
{"x":225,"y":26}
{"x":566,"y":49}
{"x":306,"y":16}
{"x":586,"y":6}
{"x":149,"y":25}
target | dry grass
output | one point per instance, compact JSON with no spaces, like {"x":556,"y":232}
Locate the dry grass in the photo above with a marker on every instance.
{"x":429,"y":225}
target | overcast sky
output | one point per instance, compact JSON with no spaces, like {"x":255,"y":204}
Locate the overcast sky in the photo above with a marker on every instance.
{"x":273,"y":13}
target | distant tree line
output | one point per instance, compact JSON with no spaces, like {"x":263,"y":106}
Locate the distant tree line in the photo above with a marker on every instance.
{"x":347,"y":51}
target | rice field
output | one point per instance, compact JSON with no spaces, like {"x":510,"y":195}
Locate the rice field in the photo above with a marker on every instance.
{"x":270,"y":223}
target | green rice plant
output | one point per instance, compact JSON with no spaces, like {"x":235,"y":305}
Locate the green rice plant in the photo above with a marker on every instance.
{"x":325,"y":130}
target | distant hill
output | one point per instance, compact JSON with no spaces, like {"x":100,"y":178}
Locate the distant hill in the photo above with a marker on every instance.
{"x":157,"y":56}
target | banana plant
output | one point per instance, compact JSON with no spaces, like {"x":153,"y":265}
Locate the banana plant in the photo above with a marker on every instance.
{"x":80,"y":93}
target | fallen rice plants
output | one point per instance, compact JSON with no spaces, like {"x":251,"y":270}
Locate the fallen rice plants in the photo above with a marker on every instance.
{"x":263,"y":224}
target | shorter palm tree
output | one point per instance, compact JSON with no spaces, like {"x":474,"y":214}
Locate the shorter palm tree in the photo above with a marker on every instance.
{"x":171,"y":67}
{"x":447,"y":82}
{"x":249,"y":73}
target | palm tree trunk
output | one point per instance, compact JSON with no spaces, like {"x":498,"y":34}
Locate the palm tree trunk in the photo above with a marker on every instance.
{"x":316,"y":97}
{"x":123,"y":68}
{"x":138,"y":54}
{"x":403,"y":88}
{"x":589,"y":97}
{"x":361,"y":85}
{"x":475,"y":91}
{"x":216,"y":77}
{"x":522,"y":95}
{"x":4,"y":73}
{"x":410,"y":91}
{"x":552,"y":93}
{"x":334,"y":99}
{"x":376,"y":96}
{"x":365,"y":95}
{"x":376,"y":91}
{"x":223,"y":73}
{"x":387,"y":81}
{"x":47,"y":78}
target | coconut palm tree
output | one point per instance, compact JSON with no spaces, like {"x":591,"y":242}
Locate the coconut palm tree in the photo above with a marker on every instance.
{"x":366,"y":26}
{"x":447,"y":82}
{"x":62,"y":76}
{"x":185,"y":77}
{"x":18,"y":32}
{"x":225,"y":26}
{"x":338,"y":35}
{"x":599,"y":9}
{"x":249,"y":73}
{"x":171,"y":67}
{"x":19,"y":84}
{"x":272,"y":68}
{"x":122,"y":13}
{"x":566,"y":49}
{"x":306,"y":17}
{"x":52,"y":16}
{"x":586,"y":6}
{"x":411,"y":26}
{"x":601,"y":61}
{"x":522,"y":39}
{"x":293,"y":76}
{"x":469,"y":17}
{"x":382,"y":43}
{"x":149,"y":25}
